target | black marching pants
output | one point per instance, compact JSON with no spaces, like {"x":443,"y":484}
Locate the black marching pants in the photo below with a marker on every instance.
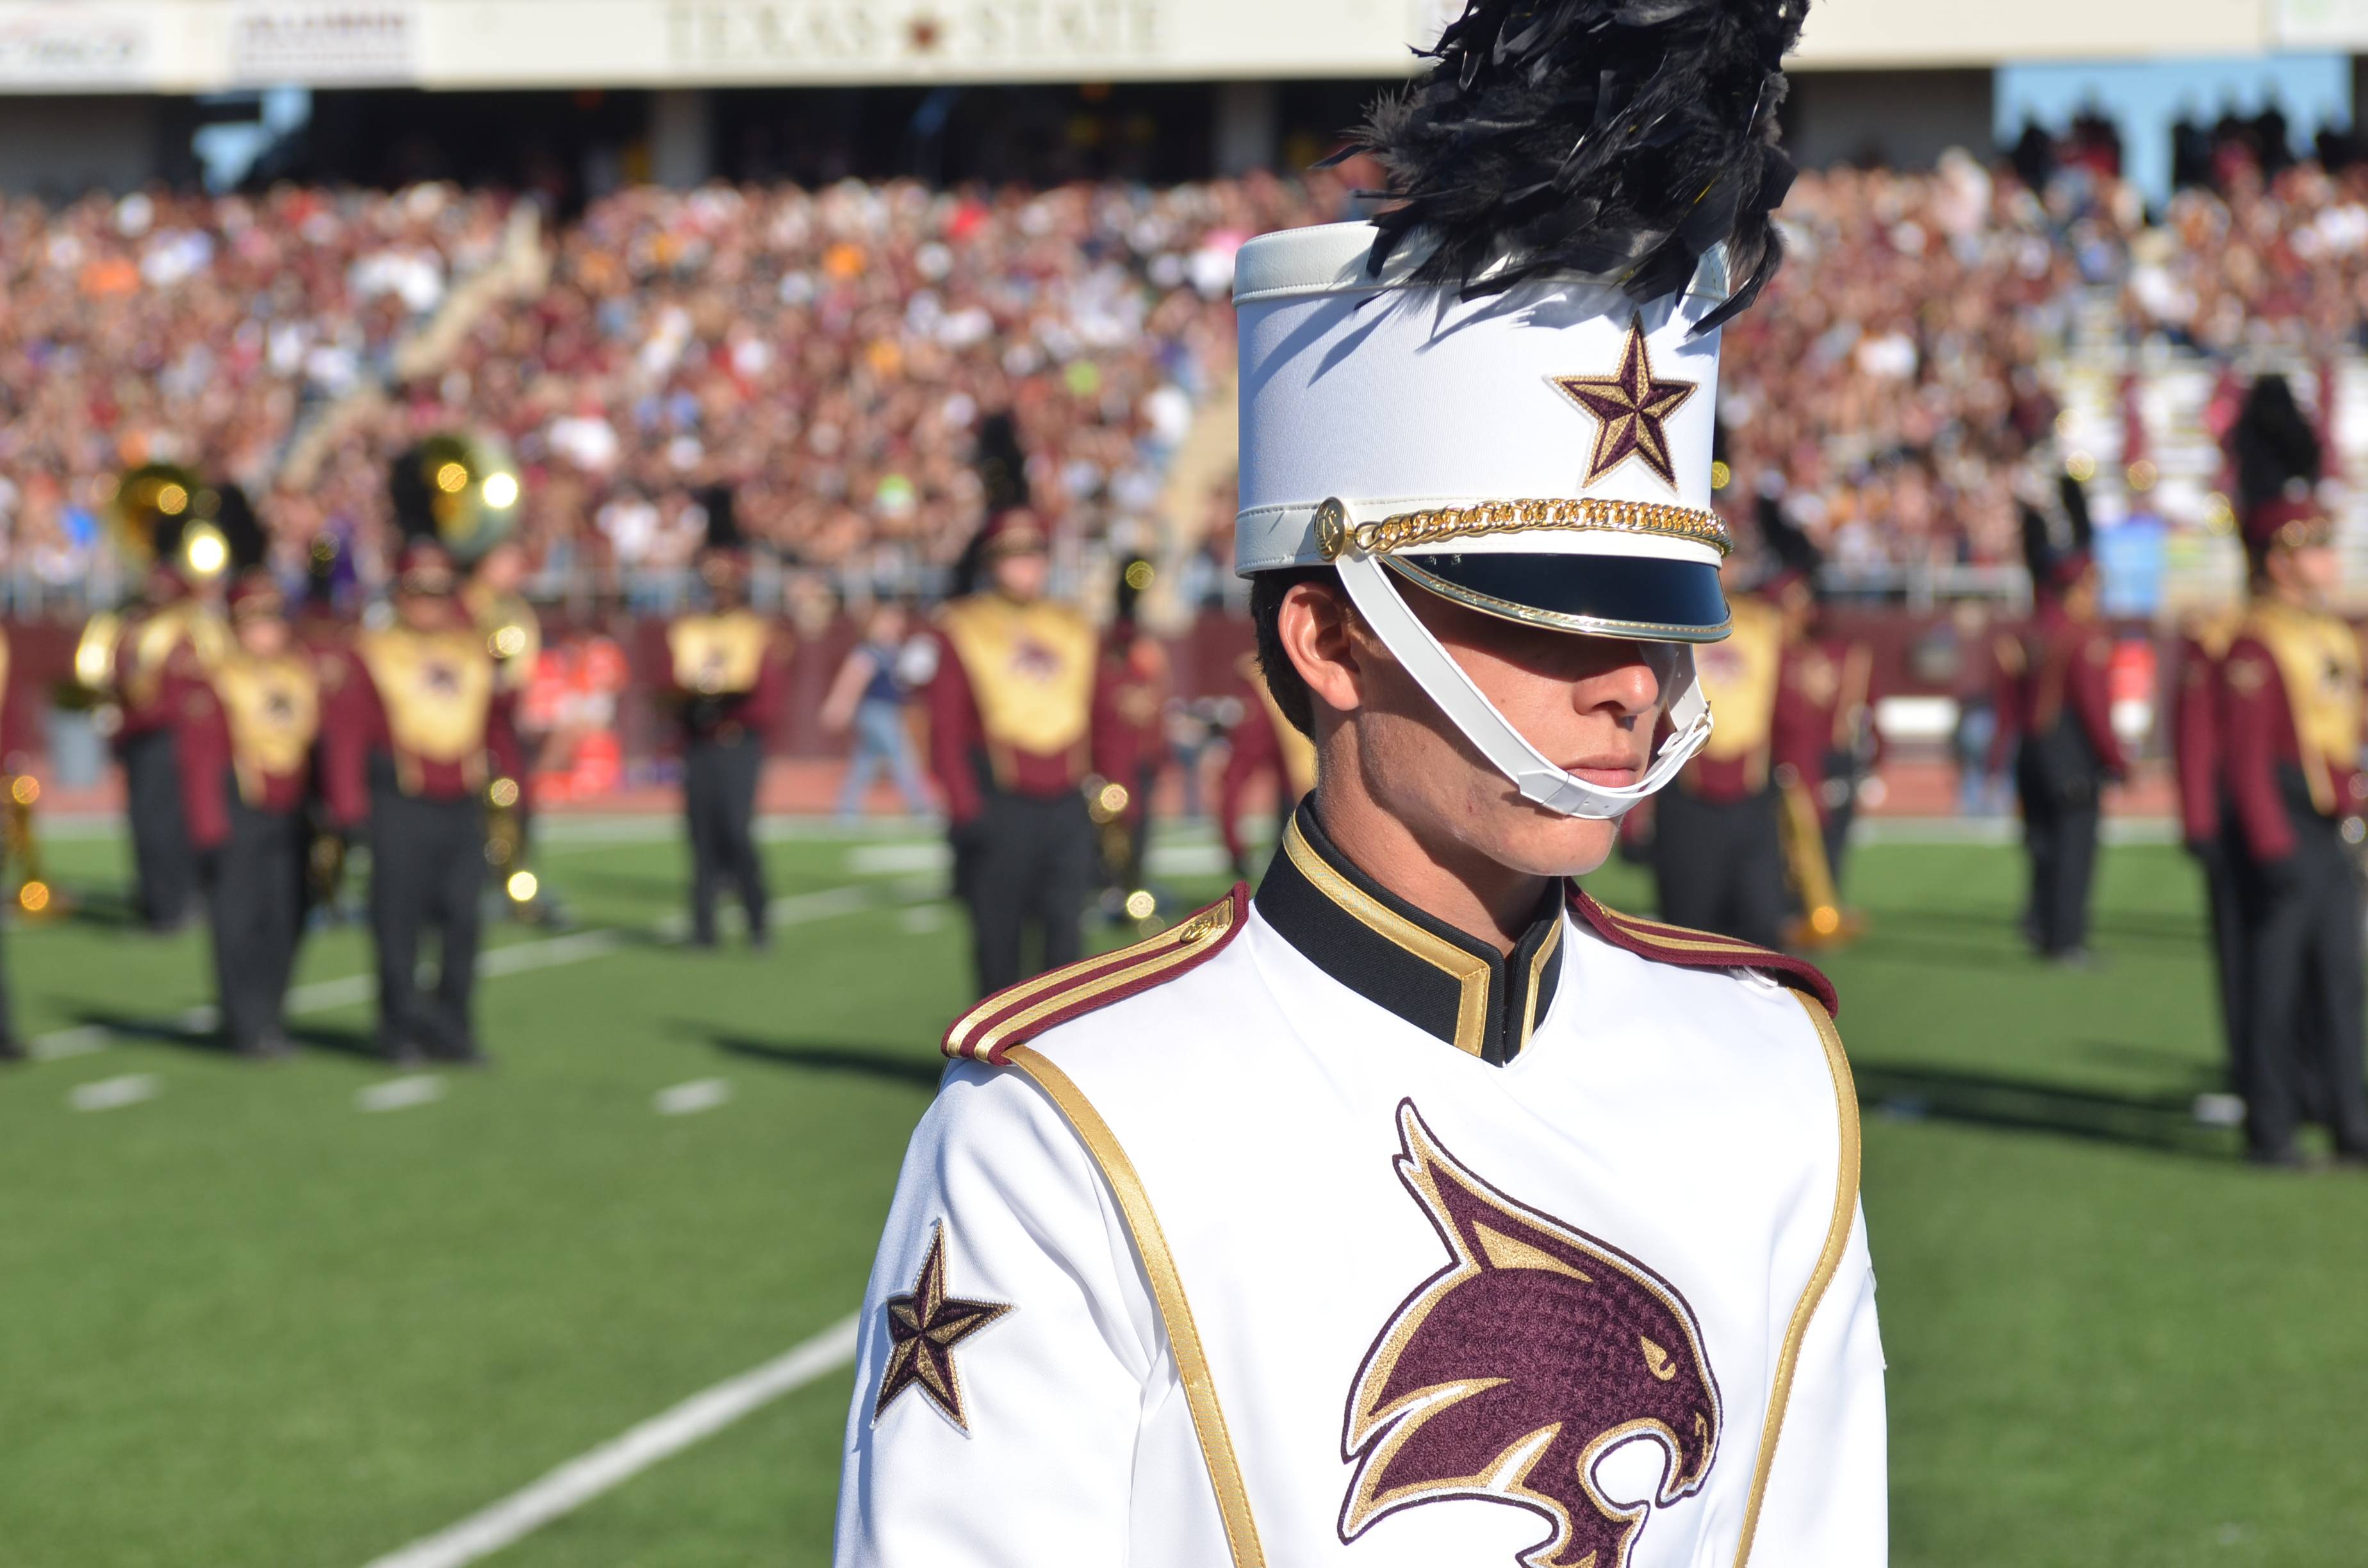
{"x":2303,"y":964}
{"x":1030,"y":863}
{"x":2222,"y":862}
{"x":1719,"y":865}
{"x":719,"y":795}
{"x":427,"y":869}
{"x":163,"y":866}
{"x":255,"y":905}
{"x":2059,"y":835}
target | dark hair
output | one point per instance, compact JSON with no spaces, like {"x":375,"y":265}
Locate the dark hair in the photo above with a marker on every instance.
{"x":1282,"y":678}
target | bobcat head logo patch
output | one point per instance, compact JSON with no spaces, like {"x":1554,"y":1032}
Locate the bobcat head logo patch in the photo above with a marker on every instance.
{"x":1510,"y":1373}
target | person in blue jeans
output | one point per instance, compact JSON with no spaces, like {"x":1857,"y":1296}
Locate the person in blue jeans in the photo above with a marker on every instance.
{"x":868,"y":697}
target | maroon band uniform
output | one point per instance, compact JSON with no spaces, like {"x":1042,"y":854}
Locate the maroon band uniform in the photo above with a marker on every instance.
{"x":726,"y":671}
{"x":2292,"y":709}
{"x":1264,"y":742}
{"x":245,"y":732}
{"x":2054,"y":715}
{"x":1718,"y":857}
{"x":1012,"y":741}
{"x":412,"y":743}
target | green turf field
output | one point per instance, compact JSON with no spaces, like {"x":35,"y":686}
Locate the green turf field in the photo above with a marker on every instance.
{"x":248,"y":1321}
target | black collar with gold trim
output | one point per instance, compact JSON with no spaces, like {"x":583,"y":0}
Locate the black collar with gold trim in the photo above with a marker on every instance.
{"x":1384,"y":949}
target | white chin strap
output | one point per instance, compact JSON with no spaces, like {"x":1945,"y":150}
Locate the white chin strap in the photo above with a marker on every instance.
{"x":1539,"y":779}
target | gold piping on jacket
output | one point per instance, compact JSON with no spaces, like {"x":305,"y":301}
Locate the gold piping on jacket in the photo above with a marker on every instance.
{"x":1058,"y":989}
{"x":1686,"y":939}
{"x":1168,"y":1290}
{"x":1470,"y":972}
{"x":1538,"y":962}
{"x":1175,"y":954}
{"x":1407,"y":531}
{"x":1837,"y":1237}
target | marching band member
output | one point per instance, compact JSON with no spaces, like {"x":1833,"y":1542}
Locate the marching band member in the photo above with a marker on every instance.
{"x":1131,"y":696}
{"x":174,"y":633}
{"x":245,"y":731}
{"x":1419,"y":1209}
{"x":1013,"y":742}
{"x":1263,"y":742}
{"x":410,"y":748}
{"x":2055,"y":713}
{"x":2290,"y":743}
{"x":727,"y":664}
{"x":24,"y":790}
{"x":1718,"y":830}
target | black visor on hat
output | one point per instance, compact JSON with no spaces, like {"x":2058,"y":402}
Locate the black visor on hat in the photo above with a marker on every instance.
{"x":1640,"y":597}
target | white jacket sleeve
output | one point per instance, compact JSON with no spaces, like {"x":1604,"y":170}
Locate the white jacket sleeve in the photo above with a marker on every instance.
{"x":1006,"y":1438}
{"x":1827,"y":1499}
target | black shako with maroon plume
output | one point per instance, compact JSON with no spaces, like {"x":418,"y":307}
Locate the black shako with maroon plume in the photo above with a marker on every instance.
{"x":1619,"y":139}
{"x":1510,"y":1373}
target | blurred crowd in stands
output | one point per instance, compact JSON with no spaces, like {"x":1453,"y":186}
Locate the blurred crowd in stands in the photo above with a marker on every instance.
{"x":836,"y":354}
{"x":160,"y":326}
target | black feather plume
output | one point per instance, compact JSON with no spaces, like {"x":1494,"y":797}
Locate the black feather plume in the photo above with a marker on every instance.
{"x":2272,"y":445}
{"x":1612,"y":139}
{"x":2038,"y":543}
{"x":1786,"y":541}
{"x":2075,"y":498}
{"x":242,"y":530}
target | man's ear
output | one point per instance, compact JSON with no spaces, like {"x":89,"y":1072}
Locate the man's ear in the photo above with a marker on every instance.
{"x":1317,"y":627}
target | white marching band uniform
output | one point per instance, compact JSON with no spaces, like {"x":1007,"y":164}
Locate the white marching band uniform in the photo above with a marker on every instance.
{"x":1191,"y":1200}
{"x":1317,"y":1231}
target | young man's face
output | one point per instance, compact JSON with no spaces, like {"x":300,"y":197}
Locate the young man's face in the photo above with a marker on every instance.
{"x":422,"y":611}
{"x":1589,"y":704}
{"x":263,"y":635}
{"x":503,"y":570}
{"x":2311,"y":572}
{"x":1021,"y":573}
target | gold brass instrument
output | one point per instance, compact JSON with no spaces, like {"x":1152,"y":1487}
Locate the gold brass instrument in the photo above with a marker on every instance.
{"x":94,"y":662}
{"x":1106,"y":805}
{"x":465,"y":484}
{"x":168,"y":500}
{"x":1823,"y":921}
{"x":506,"y":853}
{"x":325,"y":867}
{"x":20,"y":844}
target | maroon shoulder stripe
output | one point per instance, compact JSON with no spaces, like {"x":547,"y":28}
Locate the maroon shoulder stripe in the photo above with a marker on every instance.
{"x":1018,"y":1016}
{"x":1676,"y":945}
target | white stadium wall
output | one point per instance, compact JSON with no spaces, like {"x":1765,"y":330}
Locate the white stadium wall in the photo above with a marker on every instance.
{"x":182,"y":46}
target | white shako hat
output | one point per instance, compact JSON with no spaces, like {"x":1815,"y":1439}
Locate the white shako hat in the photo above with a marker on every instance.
{"x":1504,"y":391}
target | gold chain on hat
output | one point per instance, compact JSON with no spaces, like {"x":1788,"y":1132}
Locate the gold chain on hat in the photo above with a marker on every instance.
{"x":1407,"y":530}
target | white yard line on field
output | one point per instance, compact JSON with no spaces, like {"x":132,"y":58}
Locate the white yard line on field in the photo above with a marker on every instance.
{"x":690,"y":1099}
{"x":107,"y":1093}
{"x":401,"y":1094}
{"x":517,"y":957}
{"x":580,"y":1479}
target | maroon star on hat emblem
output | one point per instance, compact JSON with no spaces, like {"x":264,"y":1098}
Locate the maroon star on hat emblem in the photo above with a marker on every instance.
{"x":924,"y":1325}
{"x":1632,"y":411}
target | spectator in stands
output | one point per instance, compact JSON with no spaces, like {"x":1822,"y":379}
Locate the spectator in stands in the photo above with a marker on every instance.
{"x":868,"y":697}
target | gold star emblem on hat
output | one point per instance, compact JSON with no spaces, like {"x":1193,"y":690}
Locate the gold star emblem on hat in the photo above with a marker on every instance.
{"x":924,"y":1325}
{"x":1631,"y":409}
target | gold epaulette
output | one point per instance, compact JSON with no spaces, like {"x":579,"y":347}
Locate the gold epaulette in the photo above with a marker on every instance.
{"x":1019,"y":1014}
{"x":1689,"y":948}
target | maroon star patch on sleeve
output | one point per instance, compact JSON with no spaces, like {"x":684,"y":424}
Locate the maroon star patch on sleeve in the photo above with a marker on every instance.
{"x":924,"y":1325}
